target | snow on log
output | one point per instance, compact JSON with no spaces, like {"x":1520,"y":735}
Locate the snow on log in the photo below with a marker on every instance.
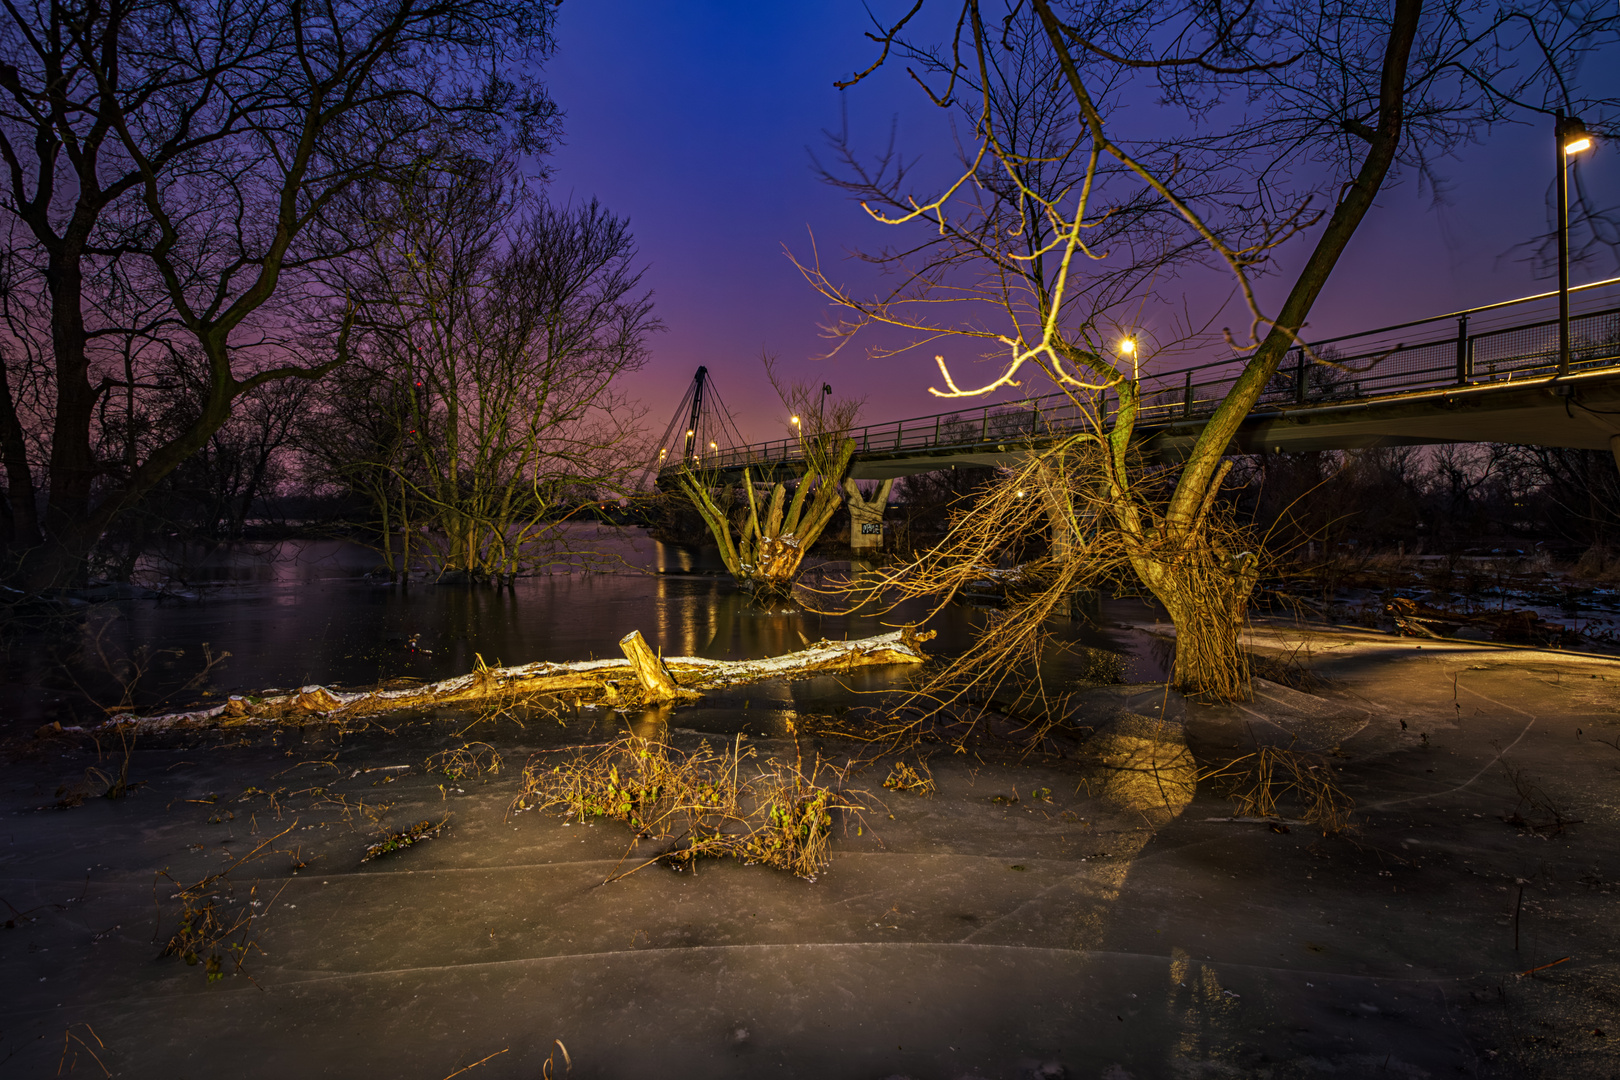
{"x":596,"y":680}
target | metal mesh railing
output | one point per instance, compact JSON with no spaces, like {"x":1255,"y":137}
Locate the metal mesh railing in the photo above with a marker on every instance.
{"x":1497,"y":343}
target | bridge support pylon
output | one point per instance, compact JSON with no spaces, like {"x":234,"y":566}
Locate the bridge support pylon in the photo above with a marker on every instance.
{"x":1614,"y":448}
{"x":1060,"y":520}
{"x":1083,"y":604}
{"x":866,"y":515}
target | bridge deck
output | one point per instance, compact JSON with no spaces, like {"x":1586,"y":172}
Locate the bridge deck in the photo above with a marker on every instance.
{"x":1455,"y":383}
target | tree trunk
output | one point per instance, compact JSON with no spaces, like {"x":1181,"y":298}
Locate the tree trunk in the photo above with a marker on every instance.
{"x":1203,"y":588}
{"x":20,"y":491}
{"x":1206,"y":594}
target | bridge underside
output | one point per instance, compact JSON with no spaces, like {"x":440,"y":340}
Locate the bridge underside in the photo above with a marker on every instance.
{"x":1568,"y":413}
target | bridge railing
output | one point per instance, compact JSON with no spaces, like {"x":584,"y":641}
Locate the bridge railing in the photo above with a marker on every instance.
{"x":1496,"y":343}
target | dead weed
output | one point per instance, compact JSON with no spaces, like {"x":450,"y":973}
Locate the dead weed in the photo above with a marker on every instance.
{"x":1261,"y":783}
{"x":215,"y":924}
{"x":904,"y":777}
{"x":710,"y":804}
{"x":401,"y":839}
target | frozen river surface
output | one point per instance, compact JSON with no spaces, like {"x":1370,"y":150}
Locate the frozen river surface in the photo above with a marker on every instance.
{"x":1088,"y":911}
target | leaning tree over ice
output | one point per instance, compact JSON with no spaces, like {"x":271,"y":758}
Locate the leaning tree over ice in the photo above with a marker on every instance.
{"x":1112,"y":146}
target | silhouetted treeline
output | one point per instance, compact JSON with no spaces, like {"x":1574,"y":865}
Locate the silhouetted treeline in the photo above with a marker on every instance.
{"x":1440,"y":499}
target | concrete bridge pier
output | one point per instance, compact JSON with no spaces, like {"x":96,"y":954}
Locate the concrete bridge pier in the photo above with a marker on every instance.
{"x":1082,"y":603}
{"x":866,"y":515}
{"x":1059,"y":523}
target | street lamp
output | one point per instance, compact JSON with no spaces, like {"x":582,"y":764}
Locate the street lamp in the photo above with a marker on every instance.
{"x":1128,"y":348}
{"x":821,"y":408}
{"x":1572,"y":138}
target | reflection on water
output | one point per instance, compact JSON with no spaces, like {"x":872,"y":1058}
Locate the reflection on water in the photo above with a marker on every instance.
{"x":303,"y":612}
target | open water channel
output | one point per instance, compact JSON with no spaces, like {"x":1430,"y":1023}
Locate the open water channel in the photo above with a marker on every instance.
{"x":303,"y":612}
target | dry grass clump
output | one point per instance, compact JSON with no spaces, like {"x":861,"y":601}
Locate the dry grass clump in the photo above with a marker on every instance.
{"x":1258,"y":784}
{"x":903,"y":777}
{"x":467,"y":761}
{"x":708,"y":803}
{"x":1598,"y":563}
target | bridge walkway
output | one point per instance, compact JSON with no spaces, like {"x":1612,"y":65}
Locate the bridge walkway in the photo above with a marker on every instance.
{"x":1488,"y":374}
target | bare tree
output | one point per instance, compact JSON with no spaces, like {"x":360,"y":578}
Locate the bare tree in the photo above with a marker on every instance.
{"x":500,"y":329}
{"x":1289,"y":117}
{"x":1575,"y":495}
{"x":173,"y":173}
{"x":243,"y":463}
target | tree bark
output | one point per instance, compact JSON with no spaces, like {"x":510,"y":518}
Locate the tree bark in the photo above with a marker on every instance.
{"x":656,"y":681}
{"x":1347,"y":216}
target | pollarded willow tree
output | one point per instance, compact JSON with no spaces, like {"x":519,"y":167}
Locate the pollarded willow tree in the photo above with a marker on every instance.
{"x":765,"y":534}
{"x":1114,"y":146}
{"x":493,"y":333}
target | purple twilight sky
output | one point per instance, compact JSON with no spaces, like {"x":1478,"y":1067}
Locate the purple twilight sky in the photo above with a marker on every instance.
{"x":697,"y":120}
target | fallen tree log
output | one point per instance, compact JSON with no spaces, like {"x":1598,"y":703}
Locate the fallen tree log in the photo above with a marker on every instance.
{"x":613,"y":682}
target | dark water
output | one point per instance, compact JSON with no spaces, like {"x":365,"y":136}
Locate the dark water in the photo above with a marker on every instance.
{"x":302,"y":612}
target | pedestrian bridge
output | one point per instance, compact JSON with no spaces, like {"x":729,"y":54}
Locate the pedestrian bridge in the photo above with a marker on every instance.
{"x":1488,"y":374}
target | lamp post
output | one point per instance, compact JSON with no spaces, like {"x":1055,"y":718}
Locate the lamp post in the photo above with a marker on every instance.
{"x":821,"y":406}
{"x":1572,"y":138}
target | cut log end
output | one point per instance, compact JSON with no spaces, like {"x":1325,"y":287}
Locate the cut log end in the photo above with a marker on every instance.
{"x":656,"y":682}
